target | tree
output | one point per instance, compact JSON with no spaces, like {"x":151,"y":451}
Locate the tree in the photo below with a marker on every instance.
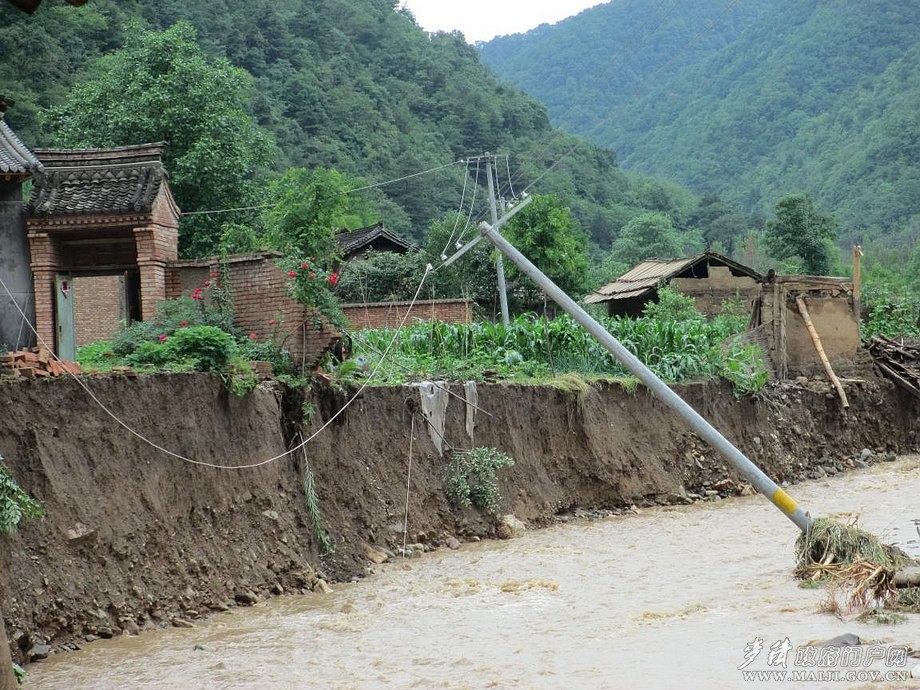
{"x":307,"y":207}
{"x":473,"y":275}
{"x":645,"y":236}
{"x":799,"y":231}
{"x":382,"y":277}
{"x":546,"y":233}
{"x":161,"y":87}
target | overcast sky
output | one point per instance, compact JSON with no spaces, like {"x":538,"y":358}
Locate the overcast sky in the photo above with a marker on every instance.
{"x":480,"y":20}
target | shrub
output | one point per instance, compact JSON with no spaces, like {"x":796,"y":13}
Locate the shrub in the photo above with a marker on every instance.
{"x":471,"y":477}
{"x":172,"y":315}
{"x":672,"y":305}
{"x":891,"y":313}
{"x":239,"y":377}
{"x":15,"y":504}
{"x":268,"y":351}
{"x":155,"y":354}
{"x":211,"y":347}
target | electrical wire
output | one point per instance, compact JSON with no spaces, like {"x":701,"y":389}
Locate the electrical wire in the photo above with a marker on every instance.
{"x":201,"y":463}
{"x":344,"y":191}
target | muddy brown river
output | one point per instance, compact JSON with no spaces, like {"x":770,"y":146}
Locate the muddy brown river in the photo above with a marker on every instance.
{"x":667,"y":598}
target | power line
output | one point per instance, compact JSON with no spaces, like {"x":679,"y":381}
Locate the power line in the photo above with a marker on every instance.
{"x":201,"y":463}
{"x":345,"y":191}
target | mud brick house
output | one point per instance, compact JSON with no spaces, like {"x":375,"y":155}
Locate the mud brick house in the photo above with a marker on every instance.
{"x":102,"y":227}
{"x":17,"y":164}
{"x":709,"y":278}
{"x":778,"y":324}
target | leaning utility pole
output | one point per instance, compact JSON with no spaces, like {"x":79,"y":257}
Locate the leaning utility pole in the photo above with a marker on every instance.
{"x":695,"y":421}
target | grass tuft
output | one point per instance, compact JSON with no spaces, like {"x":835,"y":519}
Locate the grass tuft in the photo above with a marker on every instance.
{"x":852,"y":561}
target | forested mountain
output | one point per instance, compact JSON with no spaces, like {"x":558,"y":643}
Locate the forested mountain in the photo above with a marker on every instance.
{"x":750,"y":100}
{"x":352,"y":85}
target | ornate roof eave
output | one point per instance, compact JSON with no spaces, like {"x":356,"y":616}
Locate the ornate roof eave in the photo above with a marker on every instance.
{"x":16,"y":160}
{"x":89,"y":220}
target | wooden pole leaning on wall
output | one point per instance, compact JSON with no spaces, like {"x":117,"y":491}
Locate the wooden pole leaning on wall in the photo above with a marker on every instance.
{"x":819,"y":348}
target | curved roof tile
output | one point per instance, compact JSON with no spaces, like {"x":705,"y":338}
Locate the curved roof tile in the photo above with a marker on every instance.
{"x":15,"y":158}
{"x":93,"y":181}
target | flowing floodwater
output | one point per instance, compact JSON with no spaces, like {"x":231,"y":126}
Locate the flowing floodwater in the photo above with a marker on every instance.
{"x":667,"y":598}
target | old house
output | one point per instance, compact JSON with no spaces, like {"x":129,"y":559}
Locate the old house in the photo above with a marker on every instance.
{"x":17,"y":309}
{"x":102,"y":227}
{"x":709,"y":278}
{"x":356,"y":243}
{"x":779,"y":323}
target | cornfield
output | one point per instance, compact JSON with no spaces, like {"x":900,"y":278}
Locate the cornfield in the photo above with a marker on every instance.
{"x":534,"y":347}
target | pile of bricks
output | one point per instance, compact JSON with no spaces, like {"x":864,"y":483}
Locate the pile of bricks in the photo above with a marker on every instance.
{"x":35,"y":363}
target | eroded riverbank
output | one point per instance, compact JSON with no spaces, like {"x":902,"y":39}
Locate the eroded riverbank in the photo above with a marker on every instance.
{"x":135,"y":540}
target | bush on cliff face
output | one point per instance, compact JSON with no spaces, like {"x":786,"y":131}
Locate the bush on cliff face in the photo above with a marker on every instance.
{"x":15,"y":504}
{"x":471,"y":478}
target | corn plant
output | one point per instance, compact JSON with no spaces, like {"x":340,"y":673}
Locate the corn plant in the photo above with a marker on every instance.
{"x":675,"y":349}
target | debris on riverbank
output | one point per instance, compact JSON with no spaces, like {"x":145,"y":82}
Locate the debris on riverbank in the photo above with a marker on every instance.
{"x":854,"y":563}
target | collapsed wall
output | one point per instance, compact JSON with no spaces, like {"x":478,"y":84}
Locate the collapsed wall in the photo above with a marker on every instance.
{"x":136,"y":538}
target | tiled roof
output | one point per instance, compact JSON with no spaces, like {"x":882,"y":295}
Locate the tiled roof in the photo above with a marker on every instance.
{"x":646,"y":276}
{"x":15,"y":158}
{"x":120,"y":180}
{"x":351,"y":241}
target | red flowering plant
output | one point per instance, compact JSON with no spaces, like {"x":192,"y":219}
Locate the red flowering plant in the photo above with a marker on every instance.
{"x":312,"y":285}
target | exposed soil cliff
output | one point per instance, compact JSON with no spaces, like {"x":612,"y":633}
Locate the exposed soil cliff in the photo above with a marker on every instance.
{"x":136,"y":538}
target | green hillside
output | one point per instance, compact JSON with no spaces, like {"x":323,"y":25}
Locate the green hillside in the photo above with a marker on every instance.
{"x":353,"y":85}
{"x":777,"y":96}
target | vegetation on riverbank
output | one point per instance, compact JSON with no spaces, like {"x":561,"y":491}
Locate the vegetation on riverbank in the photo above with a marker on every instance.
{"x":672,"y":338}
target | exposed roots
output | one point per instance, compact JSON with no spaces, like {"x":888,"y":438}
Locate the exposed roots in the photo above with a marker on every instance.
{"x":853,"y":562}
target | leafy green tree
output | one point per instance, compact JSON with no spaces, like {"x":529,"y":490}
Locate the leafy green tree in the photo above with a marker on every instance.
{"x":547,"y":234}
{"x":307,"y":207}
{"x":382,"y":277}
{"x":162,"y":87}
{"x":800,"y":232}
{"x":646,"y":236}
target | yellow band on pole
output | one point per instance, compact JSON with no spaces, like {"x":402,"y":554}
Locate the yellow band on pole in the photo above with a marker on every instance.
{"x":784,"y":502}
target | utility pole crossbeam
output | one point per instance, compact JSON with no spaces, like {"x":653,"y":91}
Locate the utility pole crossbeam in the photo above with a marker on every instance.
{"x":760,"y":481}
{"x":489,"y":159}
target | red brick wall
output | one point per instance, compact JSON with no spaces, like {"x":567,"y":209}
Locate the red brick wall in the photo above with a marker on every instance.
{"x":391,"y":314}
{"x":45,"y":257}
{"x":261,"y":305}
{"x":97,"y":308}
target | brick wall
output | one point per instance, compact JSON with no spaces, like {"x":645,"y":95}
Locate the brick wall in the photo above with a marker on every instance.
{"x":45,"y":259}
{"x":391,"y":314}
{"x":261,"y":305}
{"x":98,"y":307}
